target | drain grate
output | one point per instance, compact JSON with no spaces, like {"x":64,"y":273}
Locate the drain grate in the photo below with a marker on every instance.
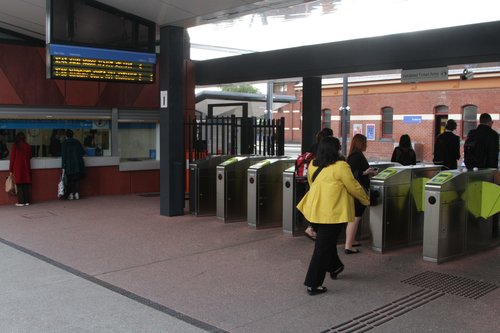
{"x":388,"y":312}
{"x":450,"y":284}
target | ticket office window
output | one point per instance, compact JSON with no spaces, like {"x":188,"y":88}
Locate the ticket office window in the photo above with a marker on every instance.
{"x":137,"y":141}
{"x":46,"y":137}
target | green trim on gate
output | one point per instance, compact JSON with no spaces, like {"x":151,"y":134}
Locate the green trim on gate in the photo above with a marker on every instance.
{"x":482,"y":198}
{"x":418,"y":192}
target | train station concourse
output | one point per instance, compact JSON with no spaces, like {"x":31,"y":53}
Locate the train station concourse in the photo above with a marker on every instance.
{"x":196,"y":122}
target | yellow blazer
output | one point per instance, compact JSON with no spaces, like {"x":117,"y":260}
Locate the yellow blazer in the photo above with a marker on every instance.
{"x":330,"y":197}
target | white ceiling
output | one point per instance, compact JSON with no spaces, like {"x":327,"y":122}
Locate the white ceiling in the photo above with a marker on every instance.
{"x":28,"y":16}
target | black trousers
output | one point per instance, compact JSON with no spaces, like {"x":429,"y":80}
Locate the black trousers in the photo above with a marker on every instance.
{"x":325,"y":258}
{"x":73,"y":183}
{"x":23,"y":193}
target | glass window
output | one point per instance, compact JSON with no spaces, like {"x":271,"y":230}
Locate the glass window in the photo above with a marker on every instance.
{"x":387,"y":122}
{"x":441,"y":109}
{"x":469,"y":119}
{"x":326,"y":119}
{"x":46,"y":136}
{"x":137,"y":141}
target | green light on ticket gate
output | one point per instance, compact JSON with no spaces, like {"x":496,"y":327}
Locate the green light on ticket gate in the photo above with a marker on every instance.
{"x":261,"y":164}
{"x":441,"y":178}
{"x":230,"y":161}
{"x":385,"y":174}
{"x":482,"y":198}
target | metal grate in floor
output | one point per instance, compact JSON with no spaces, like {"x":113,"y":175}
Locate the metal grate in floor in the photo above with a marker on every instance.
{"x":388,"y":312}
{"x":450,"y":284}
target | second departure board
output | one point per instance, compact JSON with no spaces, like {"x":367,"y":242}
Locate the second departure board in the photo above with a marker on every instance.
{"x":85,"y":63}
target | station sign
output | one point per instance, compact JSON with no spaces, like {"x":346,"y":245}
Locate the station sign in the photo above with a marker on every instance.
{"x":424,"y":74}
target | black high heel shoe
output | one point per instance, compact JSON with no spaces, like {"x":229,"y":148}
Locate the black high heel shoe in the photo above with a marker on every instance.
{"x":315,"y":291}
{"x":336,"y":272}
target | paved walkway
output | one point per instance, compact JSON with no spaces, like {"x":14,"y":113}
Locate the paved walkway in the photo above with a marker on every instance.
{"x":113,"y":264}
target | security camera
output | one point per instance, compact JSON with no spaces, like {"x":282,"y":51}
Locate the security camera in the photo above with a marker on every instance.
{"x":467,"y":75}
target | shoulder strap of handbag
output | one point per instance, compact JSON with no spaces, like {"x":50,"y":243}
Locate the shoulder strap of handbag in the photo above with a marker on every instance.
{"x":316,"y":173}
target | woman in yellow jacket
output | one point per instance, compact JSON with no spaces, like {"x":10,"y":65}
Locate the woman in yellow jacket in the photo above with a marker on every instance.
{"x":329,"y":204}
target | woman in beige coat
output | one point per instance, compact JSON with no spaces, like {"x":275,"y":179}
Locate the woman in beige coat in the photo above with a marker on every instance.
{"x":329,"y":204}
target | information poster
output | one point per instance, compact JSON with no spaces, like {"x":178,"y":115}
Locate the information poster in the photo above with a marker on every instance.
{"x":370,"y":132}
{"x":357,"y":129}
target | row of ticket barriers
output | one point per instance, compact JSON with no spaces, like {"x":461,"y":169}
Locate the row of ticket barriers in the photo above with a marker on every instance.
{"x":450,"y":212}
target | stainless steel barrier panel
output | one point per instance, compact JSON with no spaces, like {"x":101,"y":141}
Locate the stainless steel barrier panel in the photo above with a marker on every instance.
{"x":232,"y":187}
{"x":364,"y":227}
{"x":265,"y":192}
{"x":397,"y":207}
{"x":461,"y":215}
{"x":202,"y":189}
{"x":294,"y":188}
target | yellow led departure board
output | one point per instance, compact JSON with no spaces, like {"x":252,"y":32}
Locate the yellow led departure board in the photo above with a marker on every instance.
{"x":84,"y":63}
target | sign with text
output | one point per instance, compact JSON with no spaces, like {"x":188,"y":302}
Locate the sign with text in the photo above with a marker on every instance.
{"x":424,"y":74}
{"x":87,"y":63}
{"x":412,"y":119}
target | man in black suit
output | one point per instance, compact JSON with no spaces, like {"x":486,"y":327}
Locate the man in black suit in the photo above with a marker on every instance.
{"x":484,"y":140}
{"x":447,"y":147}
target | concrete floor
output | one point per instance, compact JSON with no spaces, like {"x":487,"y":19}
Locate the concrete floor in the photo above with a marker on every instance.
{"x":113,"y":264}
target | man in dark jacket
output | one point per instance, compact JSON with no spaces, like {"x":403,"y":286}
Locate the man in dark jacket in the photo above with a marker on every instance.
{"x":481,"y":146}
{"x":72,"y":163}
{"x":447,"y":147}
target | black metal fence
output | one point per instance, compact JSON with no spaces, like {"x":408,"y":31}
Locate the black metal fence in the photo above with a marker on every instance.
{"x":234,"y":136}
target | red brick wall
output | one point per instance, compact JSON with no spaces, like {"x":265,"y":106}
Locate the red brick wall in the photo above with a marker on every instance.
{"x":23,"y":82}
{"x":409,"y":99}
{"x":98,"y":181}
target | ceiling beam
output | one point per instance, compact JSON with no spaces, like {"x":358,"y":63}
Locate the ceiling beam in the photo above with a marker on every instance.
{"x":469,"y":44}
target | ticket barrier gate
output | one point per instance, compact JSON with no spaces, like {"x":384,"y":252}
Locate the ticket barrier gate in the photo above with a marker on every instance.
{"x":364,"y":226}
{"x":265,"y":192}
{"x":202,"y":189}
{"x":232,"y":187}
{"x":397,"y":205}
{"x":294,"y":188}
{"x":461,"y":215}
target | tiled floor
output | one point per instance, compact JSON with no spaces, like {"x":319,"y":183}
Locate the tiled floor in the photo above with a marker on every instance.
{"x":113,"y":264}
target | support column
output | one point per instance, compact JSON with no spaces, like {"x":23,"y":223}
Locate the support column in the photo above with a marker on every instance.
{"x":174,"y":49}
{"x":114,"y":132}
{"x":269,"y":99}
{"x":311,"y":111}
{"x":344,"y":115}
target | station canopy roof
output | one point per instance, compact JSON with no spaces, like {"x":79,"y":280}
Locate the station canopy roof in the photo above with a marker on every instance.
{"x":229,"y":103}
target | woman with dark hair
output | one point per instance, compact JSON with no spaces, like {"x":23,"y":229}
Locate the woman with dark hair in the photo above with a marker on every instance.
{"x":324,"y":133}
{"x":329,"y":205}
{"x":72,"y":162}
{"x":20,"y":167}
{"x":362,"y":172}
{"x":404,"y":153}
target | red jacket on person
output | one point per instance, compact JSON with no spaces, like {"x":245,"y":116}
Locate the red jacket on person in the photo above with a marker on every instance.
{"x":20,"y":163}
